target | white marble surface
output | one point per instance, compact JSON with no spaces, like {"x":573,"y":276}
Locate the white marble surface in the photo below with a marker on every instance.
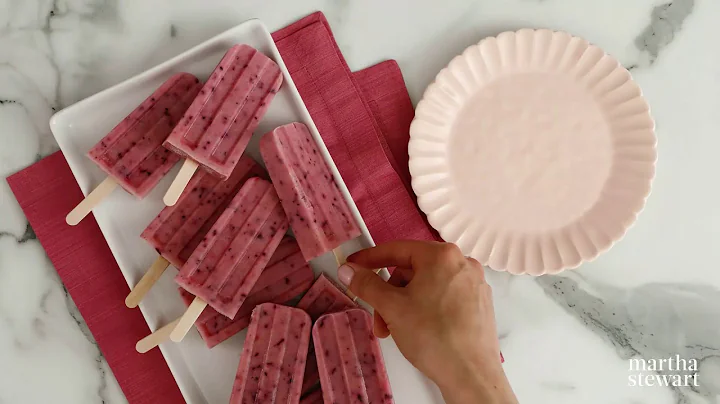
{"x":567,"y":339}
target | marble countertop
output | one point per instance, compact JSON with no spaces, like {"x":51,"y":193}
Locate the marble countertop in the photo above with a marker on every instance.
{"x":567,"y":338}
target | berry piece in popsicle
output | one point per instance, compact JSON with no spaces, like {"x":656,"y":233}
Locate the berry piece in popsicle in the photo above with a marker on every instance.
{"x":217,"y":127}
{"x":178,"y":229}
{"x":316,"y":210}
{"x":350,"y":362}
{"x":273,"y":357}
{"x":228,"y":262}
{"x":131,"y":154}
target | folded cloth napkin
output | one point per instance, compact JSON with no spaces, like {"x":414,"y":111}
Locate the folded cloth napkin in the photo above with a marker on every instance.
{"x":364,"y":119}
{"x":368,"y":160}
{"x":47,"y":191}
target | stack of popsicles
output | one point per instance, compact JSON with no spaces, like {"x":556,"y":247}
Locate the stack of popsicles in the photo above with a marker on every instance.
{"x":225,"y":230}
{"x":132,"y":154}
{"x":217,"y":127}
{"x":322,"y":298}
{"x":350,"y":362}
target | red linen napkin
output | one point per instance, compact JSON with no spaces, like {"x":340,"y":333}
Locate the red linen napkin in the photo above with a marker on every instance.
{"x":47,"y":191}
{"x":365,"y":157}
{"x":364,"y":118}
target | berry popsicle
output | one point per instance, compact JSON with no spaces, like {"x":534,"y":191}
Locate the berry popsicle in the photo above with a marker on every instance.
{"x":316,"y":210}
{"x":229,"y":260}
{"x":286,"y":276}
{"x":178,"y":229}
{"x":131,"y":153}
{"x":322,"y":298}
{"x":217,"y":127}
{"x":273,"y":357}
{"x":350,"y":362}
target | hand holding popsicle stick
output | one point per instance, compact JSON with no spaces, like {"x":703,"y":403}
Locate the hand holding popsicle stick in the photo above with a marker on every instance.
{"x":93,"y":199}
{"x":341,"y":259}
{"x":447,"y":305}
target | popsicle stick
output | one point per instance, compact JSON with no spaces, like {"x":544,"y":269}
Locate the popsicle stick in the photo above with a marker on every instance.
{"x":180,"y":182}
{"x":188,"y":319}
{"x":146,"y":283}
{"x":340,"y":258}
{"x":158,"y":337}
{"x":96,"y":196}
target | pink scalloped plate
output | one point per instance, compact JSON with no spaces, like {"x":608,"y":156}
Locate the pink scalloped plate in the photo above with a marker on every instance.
{"x":534,"y":151}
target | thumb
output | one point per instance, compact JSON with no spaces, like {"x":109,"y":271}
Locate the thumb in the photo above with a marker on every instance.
{"x":371,"y":288}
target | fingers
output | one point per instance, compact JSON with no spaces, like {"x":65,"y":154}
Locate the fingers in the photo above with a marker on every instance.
{"x":368,"y":286}
{"x":406,"y":254}
{"x":380,"y":328}
{"x":401,"y":277}
{"x":478,"y":266}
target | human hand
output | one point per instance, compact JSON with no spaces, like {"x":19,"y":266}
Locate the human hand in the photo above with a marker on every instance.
{"x":443,"y":320}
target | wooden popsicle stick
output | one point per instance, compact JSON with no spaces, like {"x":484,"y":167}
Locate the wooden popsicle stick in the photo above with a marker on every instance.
{"x":96,"y":196}
{"x":146,"y":283}
{"x":158,"y":337}
{"x":180,"y":182}
{"x":188,"y":319}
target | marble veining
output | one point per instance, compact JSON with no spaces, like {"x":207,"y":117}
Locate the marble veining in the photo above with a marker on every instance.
{"x":566,"y":338}
{"x":666,"y":21}
{"x":652,"y":321}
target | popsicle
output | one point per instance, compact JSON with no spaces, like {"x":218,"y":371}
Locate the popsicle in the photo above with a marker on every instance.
{"x":218,"y":125}
{"x":273,"y":357}
{"x":177,"y":230}
{"x":229,"y":260}
{"x":350,"y":362}
{"x":322,"y":298}
{"x":286,"y":276}
{"x":132,"y":154}
{"x":316,"y":210}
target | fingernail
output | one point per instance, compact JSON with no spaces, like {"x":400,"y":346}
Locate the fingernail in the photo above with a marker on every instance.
{"x":345,"y":274}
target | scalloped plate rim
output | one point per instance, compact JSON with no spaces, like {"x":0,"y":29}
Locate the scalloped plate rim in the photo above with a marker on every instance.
{"x":434,"y":87}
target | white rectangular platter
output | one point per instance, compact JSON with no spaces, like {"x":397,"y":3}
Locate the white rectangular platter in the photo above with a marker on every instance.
{"x":203,"y":375}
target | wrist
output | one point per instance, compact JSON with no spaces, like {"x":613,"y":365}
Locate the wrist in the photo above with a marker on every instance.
{"x":486,"y":384}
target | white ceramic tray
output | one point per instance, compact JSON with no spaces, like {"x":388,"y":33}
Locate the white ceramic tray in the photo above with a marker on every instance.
{"x":203,"y":375}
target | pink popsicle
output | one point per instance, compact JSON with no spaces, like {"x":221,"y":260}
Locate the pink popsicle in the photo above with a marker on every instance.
{"x":178,"y":229}
{"x":228,"y":261}
{"x":286,"y":276}
{"x":218,"y":125}
{"x":316,"y":210}
{"x":350,"y":362}
{"x":273,"y":357}
{"x":132,"y":152}
{"x":322,"y":298}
